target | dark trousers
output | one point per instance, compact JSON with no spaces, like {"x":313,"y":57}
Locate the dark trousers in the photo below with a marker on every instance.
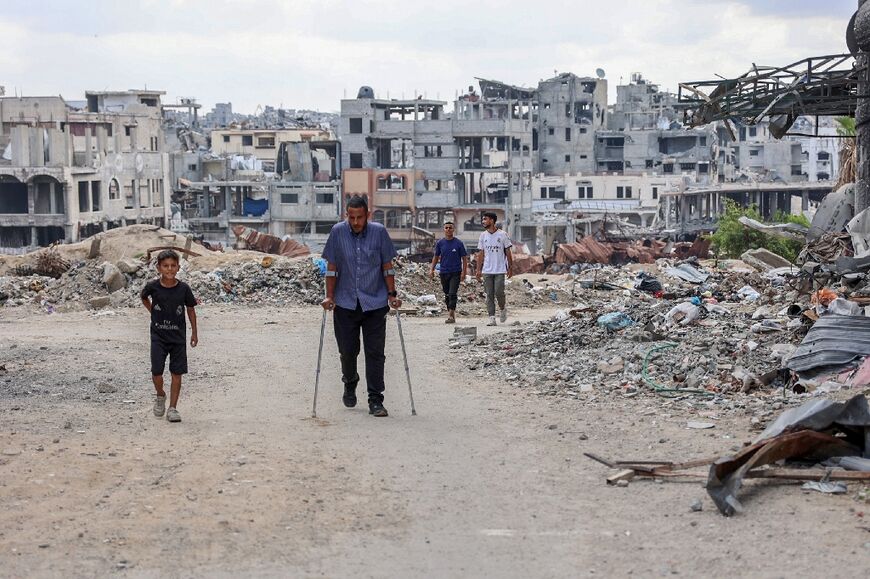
{"x":347,"y":324}
{"x":450,"y":284}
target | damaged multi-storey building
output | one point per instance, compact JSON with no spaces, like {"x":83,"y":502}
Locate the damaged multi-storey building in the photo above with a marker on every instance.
{"x":284,"y":182}
{"x":421,"y":166}
{"x":69,"y":169}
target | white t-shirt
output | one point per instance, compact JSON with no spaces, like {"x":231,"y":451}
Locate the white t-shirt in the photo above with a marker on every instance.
{"x":494,"y":246}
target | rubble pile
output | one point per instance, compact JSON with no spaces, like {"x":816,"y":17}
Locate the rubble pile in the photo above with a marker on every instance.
{"x":244,"y":278}
{"x":420,"y":291}
{"x":709,"y":343}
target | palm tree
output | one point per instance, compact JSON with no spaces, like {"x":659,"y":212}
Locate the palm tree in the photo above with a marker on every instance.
{"x":848,"y":151}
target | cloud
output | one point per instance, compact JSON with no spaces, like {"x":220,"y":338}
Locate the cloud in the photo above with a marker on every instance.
{"x":310,"y":53}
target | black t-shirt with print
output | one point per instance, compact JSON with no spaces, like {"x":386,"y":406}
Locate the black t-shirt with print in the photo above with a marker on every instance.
{"x":167,"y":310}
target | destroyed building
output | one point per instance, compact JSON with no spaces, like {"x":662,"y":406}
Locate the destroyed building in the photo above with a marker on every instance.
{"x":280,"y":182}
{"x":69,"y":170}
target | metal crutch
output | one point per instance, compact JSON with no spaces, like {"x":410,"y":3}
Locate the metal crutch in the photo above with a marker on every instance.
{"x":405,"y":356}
{"x":319,"y":355}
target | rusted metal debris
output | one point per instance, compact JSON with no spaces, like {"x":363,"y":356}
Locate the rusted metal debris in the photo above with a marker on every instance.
{"x":819,"y":430}
{"x":272,"y":244}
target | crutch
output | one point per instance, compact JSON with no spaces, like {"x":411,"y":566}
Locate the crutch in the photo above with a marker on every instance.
{"x":319,"y":355}
{"x":405,"y":356}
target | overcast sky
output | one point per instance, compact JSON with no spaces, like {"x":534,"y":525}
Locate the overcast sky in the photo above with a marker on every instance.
{"x":311,"y":54}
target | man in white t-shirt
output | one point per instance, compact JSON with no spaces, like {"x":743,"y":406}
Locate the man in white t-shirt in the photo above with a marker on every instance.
{"x":494,"y":261}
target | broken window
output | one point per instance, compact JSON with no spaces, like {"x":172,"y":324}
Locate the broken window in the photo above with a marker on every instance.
{"x":266,"y":142}
{"x":83,"y":197}
{"x":127,"y":131}
{"x":567,"y":109}
{"x":582,"y":131}
{"x":754,"y":152}
{"x":655,"y":192}
{"x":289,"y":198}
{"x":13,"y":195}
{"x":649,"y":163}
{"x":822,"y":176}
{"x":356,"y":161}
{"x":247,"y":140}
{"x":546,"y":105}
{"x":114,"y":190}
{"x":703,"y":168}
{"x":668,"y":168}
{"x":583,"y":112}
{"x":567,"y":158}
{"x":96,"y":195}
{"x":796,"y":170}
{"x":582,"y":156}
{"x":356,"y":125}
{"x":687,"y":166}
{"x":551,"y":131}
{"x":823,"y":156}
{"x":567,"y":133}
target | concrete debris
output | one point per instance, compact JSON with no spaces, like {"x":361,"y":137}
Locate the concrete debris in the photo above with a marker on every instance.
{"x":113,"y":279}
{"x":764,"y":260}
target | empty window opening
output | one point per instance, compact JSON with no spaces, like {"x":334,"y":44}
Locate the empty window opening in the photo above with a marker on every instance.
{"x":247,"y":140}
{"x":289,"y":198}
{"x":356,"y":125}
{"x":356,"y":161}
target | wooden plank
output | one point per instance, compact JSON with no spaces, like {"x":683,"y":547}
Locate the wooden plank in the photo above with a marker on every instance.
{"x":626,"y":475}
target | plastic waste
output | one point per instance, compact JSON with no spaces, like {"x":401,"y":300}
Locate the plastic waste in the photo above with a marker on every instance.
{"x":615,"y":321}
{"x":748,"y":293}
{"x":683,"y":314}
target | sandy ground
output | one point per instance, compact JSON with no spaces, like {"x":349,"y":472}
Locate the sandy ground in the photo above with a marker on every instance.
{"x":486,"y":481}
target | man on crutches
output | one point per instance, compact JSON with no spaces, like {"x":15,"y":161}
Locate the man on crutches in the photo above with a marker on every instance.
{"x":360,"y":289}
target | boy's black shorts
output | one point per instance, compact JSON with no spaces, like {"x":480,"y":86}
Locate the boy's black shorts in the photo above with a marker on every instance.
{"x":177,"y":357}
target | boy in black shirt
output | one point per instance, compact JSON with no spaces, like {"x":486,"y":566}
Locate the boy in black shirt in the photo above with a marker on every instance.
{"x":167,"y":298}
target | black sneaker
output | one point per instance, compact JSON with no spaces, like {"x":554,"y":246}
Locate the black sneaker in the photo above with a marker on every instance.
{"x":349,"y":397}
{"x":377,"y":409}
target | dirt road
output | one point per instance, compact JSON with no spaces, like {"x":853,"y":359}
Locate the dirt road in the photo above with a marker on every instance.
{"x":486,"y":481}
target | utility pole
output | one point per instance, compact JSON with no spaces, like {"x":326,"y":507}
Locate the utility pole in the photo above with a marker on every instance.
{"x":862,"y":111}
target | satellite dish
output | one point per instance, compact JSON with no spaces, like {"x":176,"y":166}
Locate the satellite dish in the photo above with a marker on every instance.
{"x":851,"y":41}
{"x":599,"y":72}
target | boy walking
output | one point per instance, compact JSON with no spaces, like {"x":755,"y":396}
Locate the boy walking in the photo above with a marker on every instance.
{"x":167,"y":299}
{"x":451,"y":252}
{"x":494,"y":262}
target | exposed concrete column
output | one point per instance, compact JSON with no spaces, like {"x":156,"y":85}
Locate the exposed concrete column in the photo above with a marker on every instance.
{"x":52,"y":197}
{"x":805,"y":200}
{"x":205,"y":206}
{"x":71,"y":230}
{"x":862,"y":112}
{"x":89,"y":154}
{"x":774,"y":204}
{"x":31,"y":197}
{"x":668,"y":212}
{"x":34,"y":236}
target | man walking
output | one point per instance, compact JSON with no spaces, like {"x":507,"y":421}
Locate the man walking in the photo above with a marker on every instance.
{"x":450,"y":251}
{"x":494,"y":261}
{"x":360,"y":282}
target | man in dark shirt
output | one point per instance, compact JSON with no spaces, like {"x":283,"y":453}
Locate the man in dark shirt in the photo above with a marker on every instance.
{"x":167,"y":299}
{"x":452,"y":255}
{"x":360,"y":281}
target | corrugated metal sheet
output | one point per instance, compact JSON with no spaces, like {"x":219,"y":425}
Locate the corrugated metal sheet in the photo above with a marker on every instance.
{"x":832,"y":341}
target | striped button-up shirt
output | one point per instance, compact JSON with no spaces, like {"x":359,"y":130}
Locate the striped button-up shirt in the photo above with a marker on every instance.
{"x":359,"y":260}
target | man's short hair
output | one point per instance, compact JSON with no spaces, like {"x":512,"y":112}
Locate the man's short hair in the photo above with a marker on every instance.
{"x":167,"y":254}
{"x":446,"y":223}
{"x":491,"y":215}
{"x":357,"y":202}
